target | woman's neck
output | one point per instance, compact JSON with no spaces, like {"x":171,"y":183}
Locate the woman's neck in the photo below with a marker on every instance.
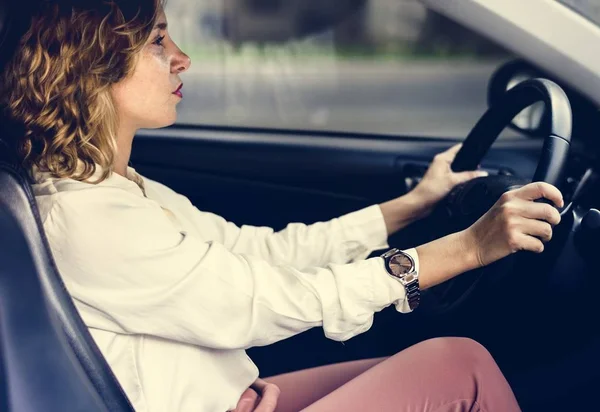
{"x":124,"y":143}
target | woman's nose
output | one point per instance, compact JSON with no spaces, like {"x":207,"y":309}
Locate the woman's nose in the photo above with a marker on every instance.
{"x":181,"y":62}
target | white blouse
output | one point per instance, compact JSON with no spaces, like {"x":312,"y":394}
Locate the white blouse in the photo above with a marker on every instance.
{"x":173,"y":296}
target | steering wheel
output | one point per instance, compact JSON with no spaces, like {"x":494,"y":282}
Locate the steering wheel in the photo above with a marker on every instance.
{"x":469,"y":201}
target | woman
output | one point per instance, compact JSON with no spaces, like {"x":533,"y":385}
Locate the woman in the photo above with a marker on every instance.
{"x":173,"y":295}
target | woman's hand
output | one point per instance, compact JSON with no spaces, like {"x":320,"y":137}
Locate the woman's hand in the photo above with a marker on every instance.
{"x":260,"y":397}
{"x":515,"y":223}
{"x":439,"y":180}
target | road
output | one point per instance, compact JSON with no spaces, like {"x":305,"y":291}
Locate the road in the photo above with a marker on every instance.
{"x":413,"y":98}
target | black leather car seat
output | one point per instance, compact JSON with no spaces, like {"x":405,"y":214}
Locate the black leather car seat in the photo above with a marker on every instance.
{"x":48,"y":359}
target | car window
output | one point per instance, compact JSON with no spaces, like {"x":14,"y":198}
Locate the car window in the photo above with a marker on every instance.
{"x":373,"y":66}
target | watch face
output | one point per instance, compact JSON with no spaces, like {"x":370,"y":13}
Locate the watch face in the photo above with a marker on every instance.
{"x":401,"y":264}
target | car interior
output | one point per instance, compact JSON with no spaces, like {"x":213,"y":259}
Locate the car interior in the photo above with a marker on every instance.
{"x":537,"y":314}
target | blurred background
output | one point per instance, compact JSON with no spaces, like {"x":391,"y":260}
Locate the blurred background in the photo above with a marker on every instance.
{"x":374,"y":66}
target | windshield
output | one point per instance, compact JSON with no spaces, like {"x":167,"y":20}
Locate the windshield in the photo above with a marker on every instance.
{"x":587,"y":8}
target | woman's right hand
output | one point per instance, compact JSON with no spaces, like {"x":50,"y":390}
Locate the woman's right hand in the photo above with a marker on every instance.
{"x":516,"y":223}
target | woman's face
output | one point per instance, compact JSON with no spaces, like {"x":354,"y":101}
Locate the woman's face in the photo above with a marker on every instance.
{"x":149,"y":97}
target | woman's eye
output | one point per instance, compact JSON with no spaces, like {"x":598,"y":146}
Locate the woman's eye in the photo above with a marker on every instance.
{"x":159,"y":40}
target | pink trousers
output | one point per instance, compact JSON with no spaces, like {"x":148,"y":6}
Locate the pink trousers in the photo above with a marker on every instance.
{"x":438,"y":375}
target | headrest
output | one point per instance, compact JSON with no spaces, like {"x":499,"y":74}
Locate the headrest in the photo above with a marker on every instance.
{"x":15,"y":17}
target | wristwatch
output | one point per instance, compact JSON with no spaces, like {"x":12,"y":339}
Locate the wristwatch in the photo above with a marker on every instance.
{"x":401,"y":266}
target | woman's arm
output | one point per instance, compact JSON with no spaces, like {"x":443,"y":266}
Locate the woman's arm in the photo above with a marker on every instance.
{"x":129,"y":270}
{"x":402,"y":211}
{"x":345,"y":239}
{"x":349,"y":238}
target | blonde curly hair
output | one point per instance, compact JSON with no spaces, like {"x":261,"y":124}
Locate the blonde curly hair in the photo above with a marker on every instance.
{"x":57,"y":85}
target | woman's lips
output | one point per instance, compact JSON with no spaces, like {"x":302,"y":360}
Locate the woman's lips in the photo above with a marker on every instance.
{"x":178,"y":91}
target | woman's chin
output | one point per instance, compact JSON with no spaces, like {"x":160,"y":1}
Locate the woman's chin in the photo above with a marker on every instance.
{"x":161,"y":123}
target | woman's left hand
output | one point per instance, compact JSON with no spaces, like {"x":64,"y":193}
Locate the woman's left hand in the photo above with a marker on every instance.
{"x":436,"y":184}
{"x":439,"y":180}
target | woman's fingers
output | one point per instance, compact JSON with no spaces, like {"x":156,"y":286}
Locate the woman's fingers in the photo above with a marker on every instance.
{"x":268,"y":401}
{"x":538,"y":211}
{"x":451,"y":153}
{"x":464,"y":177}
{"x":530,"y":244}
{"x":540,"y":190}
{"x":536,"y":228}
{"x":269,"y":396}
{"x":247,"y":402}
{"x":262,"y":396}
{"x":447,"y":157}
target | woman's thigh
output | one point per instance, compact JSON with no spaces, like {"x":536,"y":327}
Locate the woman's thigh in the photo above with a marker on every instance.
{"x":303,"y":388}
{"x":444,"y":374}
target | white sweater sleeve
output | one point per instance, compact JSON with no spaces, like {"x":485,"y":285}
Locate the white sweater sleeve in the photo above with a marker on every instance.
{"x":130,"y":271}
{"x":346,"y":239}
